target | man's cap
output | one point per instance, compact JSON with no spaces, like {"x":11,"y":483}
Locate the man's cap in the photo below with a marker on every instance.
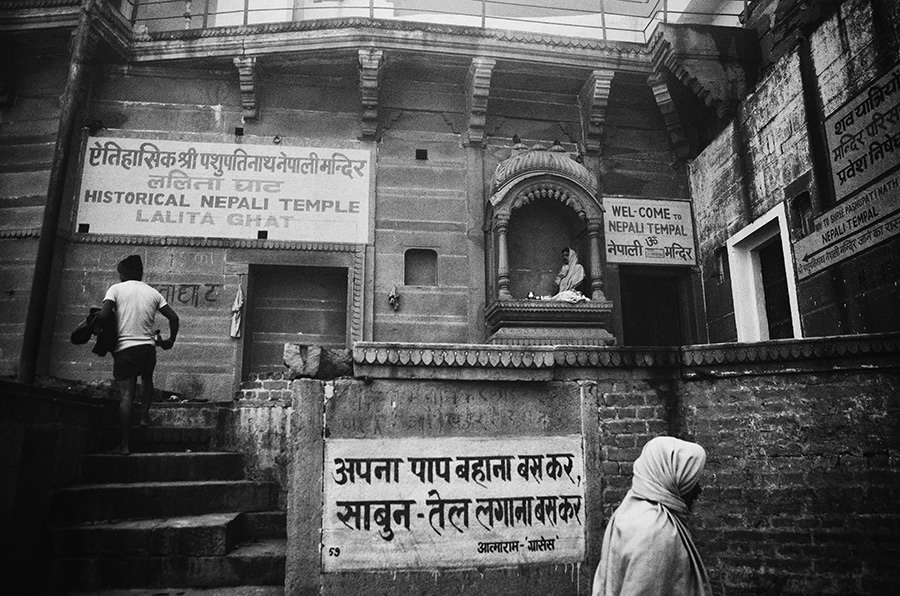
{"x":131,"y":266}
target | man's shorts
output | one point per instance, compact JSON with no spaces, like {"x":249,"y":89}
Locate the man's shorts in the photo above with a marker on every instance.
{"x":130,"y":363}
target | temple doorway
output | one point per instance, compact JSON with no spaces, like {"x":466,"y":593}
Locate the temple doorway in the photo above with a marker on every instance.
{"x":652,"y":308}
{"x":292,"y":304}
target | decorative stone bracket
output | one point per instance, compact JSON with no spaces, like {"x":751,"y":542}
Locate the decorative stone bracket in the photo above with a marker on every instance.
{"x":371,"y":61}
{"x":246,"y":66}
{"x":718,"y":64}
{"x":478,"y":87}
{"x":593,"y":99}
{"x":659,"y":84}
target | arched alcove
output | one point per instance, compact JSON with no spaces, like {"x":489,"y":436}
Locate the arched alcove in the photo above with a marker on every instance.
{"x":543,"y":201}
{"x":538,"y":231}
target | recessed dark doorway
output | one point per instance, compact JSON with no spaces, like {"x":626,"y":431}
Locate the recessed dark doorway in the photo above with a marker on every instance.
{"x":292,"y":304}
{"x":651,"y":309}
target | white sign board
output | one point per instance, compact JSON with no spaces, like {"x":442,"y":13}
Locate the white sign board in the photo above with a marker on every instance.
{"x":177,"y":188}
{"x":864,"y":136}
{"x":414,"y":503}
{"x":649,"y":231}
{"x":853,"y":226}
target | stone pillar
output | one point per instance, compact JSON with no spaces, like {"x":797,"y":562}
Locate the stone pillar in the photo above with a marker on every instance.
{"x":500,"y":228}
{"x":593,"y":229}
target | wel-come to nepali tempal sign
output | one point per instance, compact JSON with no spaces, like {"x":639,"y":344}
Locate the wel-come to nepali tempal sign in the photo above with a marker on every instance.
{"x":648,"y":231}
{"x":414,"y":503}
{"x":226,"y":190}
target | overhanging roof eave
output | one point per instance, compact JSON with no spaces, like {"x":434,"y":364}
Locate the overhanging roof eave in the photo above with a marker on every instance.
{"x":259,"y":40}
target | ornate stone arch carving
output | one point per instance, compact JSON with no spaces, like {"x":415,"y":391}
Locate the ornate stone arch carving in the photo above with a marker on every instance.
{"x":552,"y":188}
{"x":536,"y":173}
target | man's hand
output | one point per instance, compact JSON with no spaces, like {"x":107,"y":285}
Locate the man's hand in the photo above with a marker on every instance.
{"x":165,"y":344}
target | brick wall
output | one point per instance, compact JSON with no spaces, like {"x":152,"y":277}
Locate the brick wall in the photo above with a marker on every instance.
{"x":630,"y":413}
{"x":802,"y":481}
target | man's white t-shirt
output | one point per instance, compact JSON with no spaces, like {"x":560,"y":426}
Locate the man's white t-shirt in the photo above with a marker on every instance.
{"x":136,"y":306}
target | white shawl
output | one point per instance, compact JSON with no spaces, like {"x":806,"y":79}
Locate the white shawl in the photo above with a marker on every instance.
{"x":647,"y":548}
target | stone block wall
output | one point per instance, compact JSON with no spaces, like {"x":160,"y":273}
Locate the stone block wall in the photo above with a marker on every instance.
{"x":28,"y":131}
{"x":848,"y":52}
{"x":195,"y":283}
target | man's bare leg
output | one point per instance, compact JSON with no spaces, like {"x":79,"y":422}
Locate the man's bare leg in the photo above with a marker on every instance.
{"x":146,"y":399}
{"x":126,"y":390}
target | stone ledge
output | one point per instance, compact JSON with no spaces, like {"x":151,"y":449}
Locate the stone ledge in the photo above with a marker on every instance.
{"x":792,"y":349}
{"x":844,"y":352}
{"x":502,"y":362}
{"x":517,"y":323}
{"x":629,"y":49}
{"x":210,"y":242}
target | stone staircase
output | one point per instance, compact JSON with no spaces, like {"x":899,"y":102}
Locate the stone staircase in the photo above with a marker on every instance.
{"x":175,"y":514}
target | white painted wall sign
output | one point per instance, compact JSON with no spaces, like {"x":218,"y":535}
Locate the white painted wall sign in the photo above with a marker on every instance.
{"x":853,"y":226}
{"x":864,"y":136}
{"x":177,"y":188}
{"x":649,"y":231}
{"x":414,"y":503}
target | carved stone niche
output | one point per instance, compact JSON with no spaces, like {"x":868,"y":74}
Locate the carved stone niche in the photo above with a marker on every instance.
{"x":543,"y":201}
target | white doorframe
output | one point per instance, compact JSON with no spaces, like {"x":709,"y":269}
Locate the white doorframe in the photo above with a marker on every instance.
{"x":746,"y":275}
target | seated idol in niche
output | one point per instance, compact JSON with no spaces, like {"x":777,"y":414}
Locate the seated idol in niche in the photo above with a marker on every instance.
{"x":570,"y":275}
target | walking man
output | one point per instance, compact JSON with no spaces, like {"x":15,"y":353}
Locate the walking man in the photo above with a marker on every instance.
{"x":133,"y":304}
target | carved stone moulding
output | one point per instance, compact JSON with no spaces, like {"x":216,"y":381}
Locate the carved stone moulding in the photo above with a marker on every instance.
{"x":543,"y":322}
{"x":539,"y":161}
{"x":817,"y":349}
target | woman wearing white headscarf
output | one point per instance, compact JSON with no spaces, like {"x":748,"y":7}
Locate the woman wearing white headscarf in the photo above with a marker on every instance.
{"x":647,"y":548}
{"x":570,"y":275}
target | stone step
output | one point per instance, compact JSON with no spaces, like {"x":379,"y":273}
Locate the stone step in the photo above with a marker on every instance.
{"x":155,"y":439}
{"x":196,"y":536}
{"x":99,"y":502}
{"x":170,"y":466}
{"x":167,"y":591}
{"x":257,"y":563}
{"x":264,"y":524}
{"x":27,"y":150}
{"x":178,"y":412}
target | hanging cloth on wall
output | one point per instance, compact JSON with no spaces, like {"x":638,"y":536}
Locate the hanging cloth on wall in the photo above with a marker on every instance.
{"x":237,"y":308}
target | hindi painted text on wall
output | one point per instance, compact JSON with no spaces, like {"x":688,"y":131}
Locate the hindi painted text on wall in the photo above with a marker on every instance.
{"x":412,"y":503}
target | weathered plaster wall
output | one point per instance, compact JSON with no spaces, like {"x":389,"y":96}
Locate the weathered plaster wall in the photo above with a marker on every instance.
{"x":799,"y":491}
{"x":442,"y":408}
{"x":765,"y":157}
{"x":261,"y":430}
{"x":850,"y":51}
